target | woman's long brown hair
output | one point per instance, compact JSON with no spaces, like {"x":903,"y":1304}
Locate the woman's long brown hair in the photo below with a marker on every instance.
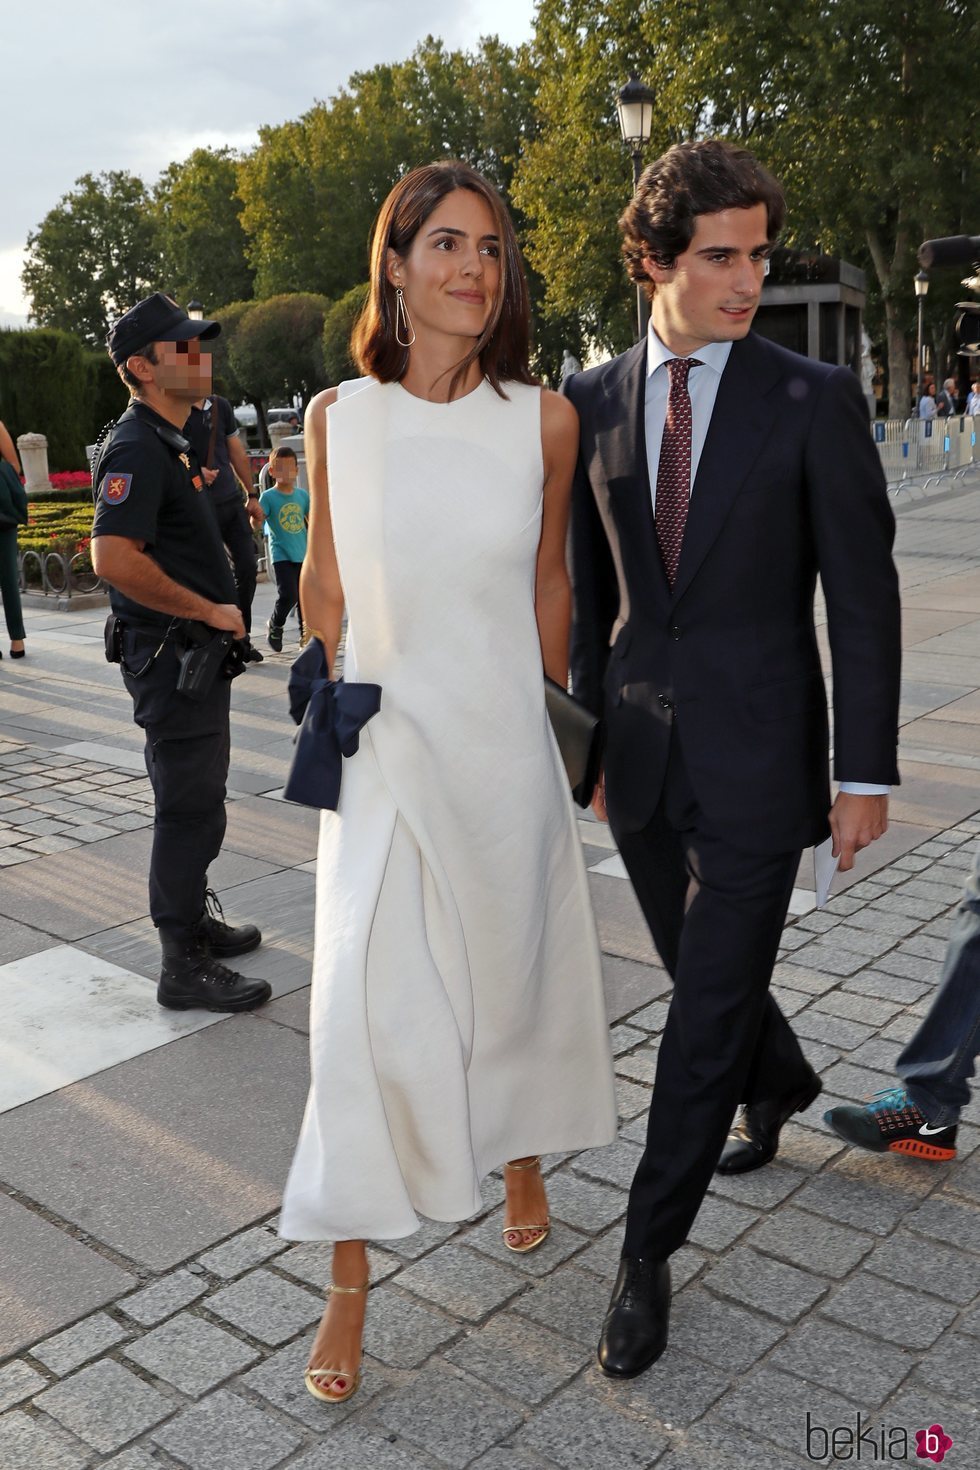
{"x":502,"y":347}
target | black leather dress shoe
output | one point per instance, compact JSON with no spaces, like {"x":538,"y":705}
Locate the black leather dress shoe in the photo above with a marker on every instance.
{"x":634,"y":1332}
{"x":754,"y":1139}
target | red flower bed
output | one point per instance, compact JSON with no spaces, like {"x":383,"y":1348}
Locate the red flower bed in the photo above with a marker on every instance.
{"x":71,"y":480}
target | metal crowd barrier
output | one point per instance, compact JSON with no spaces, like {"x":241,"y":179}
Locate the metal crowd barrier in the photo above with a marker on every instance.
{"x":926,"y":449}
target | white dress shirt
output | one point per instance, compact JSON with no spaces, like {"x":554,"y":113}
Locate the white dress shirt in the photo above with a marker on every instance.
{"x":702,"y":385}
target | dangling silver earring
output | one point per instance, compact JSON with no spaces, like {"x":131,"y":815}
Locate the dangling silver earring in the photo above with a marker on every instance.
{"x":403,"y":322}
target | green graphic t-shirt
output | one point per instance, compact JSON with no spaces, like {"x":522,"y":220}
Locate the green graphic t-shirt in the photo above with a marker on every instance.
{"x":285,"y":522}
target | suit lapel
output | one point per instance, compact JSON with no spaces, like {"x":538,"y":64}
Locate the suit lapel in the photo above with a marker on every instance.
{"x":623,"y":450}
{"x":740,"y":424}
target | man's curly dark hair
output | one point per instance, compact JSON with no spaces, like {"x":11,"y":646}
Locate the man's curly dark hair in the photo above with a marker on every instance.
{"x":688,"y":180}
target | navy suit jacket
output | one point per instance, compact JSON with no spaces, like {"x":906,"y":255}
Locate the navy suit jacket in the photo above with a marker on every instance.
{"x":789,"y":487}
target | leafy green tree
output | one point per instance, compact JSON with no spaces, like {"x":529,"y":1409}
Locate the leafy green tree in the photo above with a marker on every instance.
{"x":277,"y":348}
{"x":229,"y":318}
{"x":198,"y":217}
{"x":338,"y":365}
{"x":847,"y":101}
{"x":93,"y":256}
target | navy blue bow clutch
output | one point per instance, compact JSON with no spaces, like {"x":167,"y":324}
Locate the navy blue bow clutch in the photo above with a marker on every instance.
{"x":330,"y":715}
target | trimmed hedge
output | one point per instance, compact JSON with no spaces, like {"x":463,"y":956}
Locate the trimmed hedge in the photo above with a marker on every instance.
{"x":57,"y":525}
{"x":51,"y":384}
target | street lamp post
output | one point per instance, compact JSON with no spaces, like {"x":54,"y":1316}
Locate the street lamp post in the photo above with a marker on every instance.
{"x":634,"y":105}
{"x":195,"y":310}
{"x":921,"y":291}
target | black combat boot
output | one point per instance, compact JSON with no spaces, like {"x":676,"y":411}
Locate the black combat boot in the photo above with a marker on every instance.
{"x":192,"y":979}
{"x":222,"y":939}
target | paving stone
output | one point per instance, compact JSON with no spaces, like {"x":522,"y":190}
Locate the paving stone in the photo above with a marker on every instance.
{"x":105,"y":1405}
{"x":718,"y":1444}
{"x":525,"y":1361}
{"x":909,"y":1178}
{"x":940,"y":1219}
{"x":856,"y":1008}
{"x":822,"y":954}
{"x":462,"y":1281}
{"x":448,"y":1418}
{"x":907,"y":906}
{"x":652,"y":1017}
{"x":818,"y":922}
{"x":193,"y":1355}
{"x":868,"y":943}
{"x":811,"y":1242}
{"x":892,"y":1312}
{"x":930,"y":949}
{"x":505,"y":1457}
{"x":359,"y":1447}
{"x":914,"y":1409}
{"x":876,"y":919}
{"x":49,"y":1279}
{"x":134,"y":1459}
{"x":770,"y":1286}
{"x":719,"y":1222}
{"x":401,"y":1332}
{"x":266,"y":1307}
{"x":791,"y":939}
{"x":311,"y":1263}
{"x":888,"y":987}
{"x":909,"y":967}
{"x":70,"y":1349}
{"x":625,"y":1038}
{"x":718,"y":1331}
{"x":584,"y":1428}
{"x":803,"y":1147}
{"x":163,"y":1298}
{"x":431,"y":1234}
{"x":798,"y":978}
{"x":560,"y":1245}
{"x":790,"y":1002}
{"x":602,"y":1259}
{"x":950,"y":1368}
{"x":571,"y":1302}
{"x":631,"y":1100}
{"x":864,"y":1369}
{"x":584,"y":1206}
{"x":771,"y":1403}
{"x":856,"y":1083}
{"x":677,"y":1390}
{"x":638,"y":1066}
{"x":864,"y":1205}
{"x":19,"y":1381}
{"x":26,"y":1444}
{"x":279,"y":1380}
{"x":223,"y":1432}
{"x":614,"y":1164}
{"x":834,"y":1030}
{"x":242,"y":1253}
{"x":763,"y":1188}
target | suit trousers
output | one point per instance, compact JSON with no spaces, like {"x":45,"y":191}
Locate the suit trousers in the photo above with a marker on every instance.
{"x":188,"y":745}
{"x":716,"y":915}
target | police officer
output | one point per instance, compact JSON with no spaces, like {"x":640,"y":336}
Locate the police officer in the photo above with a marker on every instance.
{"x":156,"y":542}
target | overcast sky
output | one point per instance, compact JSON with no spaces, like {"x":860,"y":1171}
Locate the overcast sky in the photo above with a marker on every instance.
{"x":137,"y":84}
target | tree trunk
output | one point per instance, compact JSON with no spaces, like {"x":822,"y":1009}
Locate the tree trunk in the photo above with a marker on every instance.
{"x":889,"y":278}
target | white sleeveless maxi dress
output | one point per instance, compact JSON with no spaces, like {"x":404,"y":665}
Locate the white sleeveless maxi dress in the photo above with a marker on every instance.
{"x":457,"y":1015}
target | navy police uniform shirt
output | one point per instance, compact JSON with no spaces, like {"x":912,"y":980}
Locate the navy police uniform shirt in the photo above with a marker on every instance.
{"x":149,"y":489}
{"x":198,"y":430}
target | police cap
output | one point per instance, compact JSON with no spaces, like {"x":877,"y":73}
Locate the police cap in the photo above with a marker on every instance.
{"x":157,"y":319}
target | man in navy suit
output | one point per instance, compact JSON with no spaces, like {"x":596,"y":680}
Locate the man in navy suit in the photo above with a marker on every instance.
{"x":719,"y":476}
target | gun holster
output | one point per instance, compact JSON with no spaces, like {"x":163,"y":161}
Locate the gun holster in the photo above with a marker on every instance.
{"x":201,"y":653}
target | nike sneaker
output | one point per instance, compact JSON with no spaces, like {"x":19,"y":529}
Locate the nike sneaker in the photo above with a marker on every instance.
{"x":891,"y":1123}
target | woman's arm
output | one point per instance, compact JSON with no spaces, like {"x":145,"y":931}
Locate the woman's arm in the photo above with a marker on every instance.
{"x":7,"y":450}
{"x":552,"y":590}
{"x":320,"y":593}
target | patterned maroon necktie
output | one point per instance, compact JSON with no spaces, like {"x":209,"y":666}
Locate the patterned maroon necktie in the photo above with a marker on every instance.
{"x":674,"y":470}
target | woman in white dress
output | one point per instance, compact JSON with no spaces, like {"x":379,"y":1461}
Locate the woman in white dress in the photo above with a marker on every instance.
{"x":457,"y":1018}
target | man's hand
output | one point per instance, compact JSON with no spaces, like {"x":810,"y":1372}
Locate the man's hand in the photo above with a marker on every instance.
{"x":254,"y":512}
{"x":856,"y":822}
{"x":599,"y":798}
{"x":209,"y":475}
{"x":227,"y":618}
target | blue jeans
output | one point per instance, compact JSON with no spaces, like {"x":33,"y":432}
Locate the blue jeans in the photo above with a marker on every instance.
{"x":937,"y":1063}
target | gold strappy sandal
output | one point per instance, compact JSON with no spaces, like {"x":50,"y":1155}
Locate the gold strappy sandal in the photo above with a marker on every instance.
{"x":542,"y":1230}
{"x":343,"y":1382}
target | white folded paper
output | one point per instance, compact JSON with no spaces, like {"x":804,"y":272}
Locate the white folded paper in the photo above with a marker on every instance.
{"x":824,"y":868}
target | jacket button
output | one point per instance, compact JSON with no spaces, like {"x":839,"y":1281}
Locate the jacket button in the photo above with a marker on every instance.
{"x":665,"y":702}
{"x":675,"y":632}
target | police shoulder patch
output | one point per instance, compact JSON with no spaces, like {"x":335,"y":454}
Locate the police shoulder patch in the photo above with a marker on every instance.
{"x":115,"y":487}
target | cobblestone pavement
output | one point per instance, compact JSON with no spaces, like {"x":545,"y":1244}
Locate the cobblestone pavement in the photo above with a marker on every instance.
{"x":150,"y":1317}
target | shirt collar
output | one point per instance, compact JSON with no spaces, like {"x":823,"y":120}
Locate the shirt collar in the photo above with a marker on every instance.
{"x":712,"y":354}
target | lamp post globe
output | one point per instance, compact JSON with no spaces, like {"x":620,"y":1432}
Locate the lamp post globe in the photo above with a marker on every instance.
{"x":921,"y":292}
{"x":195,"y":310}
{"x":634,"y":107}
